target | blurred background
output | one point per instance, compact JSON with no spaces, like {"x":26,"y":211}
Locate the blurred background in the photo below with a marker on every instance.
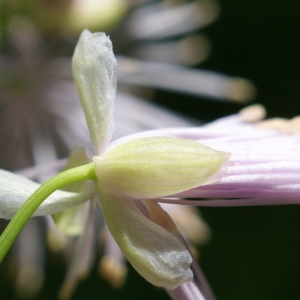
{"x":253,"y":252}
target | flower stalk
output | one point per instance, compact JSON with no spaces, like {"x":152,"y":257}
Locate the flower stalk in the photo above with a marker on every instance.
{"x":17,"y":223}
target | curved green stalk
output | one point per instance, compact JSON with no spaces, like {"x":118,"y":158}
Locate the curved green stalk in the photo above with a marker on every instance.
{"x":35,"y":200}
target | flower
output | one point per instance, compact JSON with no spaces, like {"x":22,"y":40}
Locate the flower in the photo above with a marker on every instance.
{"x":264,"y":166}
{"x":136,"y":170}
{"x":126,"y":171}
{"x":127,"y":175}
{"x":37,"y":91}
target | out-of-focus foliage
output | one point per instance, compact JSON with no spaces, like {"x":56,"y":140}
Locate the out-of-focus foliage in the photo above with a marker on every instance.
{"x":68,"y":16}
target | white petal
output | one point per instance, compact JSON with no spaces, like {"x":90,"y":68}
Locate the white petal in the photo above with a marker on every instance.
{"x":95,"y":74}
{"x":156,"y":254}
{"x":15,"y":190}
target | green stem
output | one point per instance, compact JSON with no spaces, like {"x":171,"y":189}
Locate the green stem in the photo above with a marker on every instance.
{"x":19,"y":220}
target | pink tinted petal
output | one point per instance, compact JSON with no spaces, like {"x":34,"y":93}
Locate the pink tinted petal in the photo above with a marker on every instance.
{"x":234,"y":202}
{"x":264,"y":168}
{"x":187,"y":291}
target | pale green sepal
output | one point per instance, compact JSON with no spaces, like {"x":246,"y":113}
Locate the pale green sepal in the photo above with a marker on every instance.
{"x":76,"y":158}
{"x":95,"y":74}
{"x":15,"y":190}
{"x":72,"y":221}
{"x":155,"y":167}
{"x":153,"y":251}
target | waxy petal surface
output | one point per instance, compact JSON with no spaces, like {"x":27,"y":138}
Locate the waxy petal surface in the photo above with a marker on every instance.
{"x":153,"y":251}
{"x":15,"y":190}
{"x":154,"y":167}
{"x":95,"y":74}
